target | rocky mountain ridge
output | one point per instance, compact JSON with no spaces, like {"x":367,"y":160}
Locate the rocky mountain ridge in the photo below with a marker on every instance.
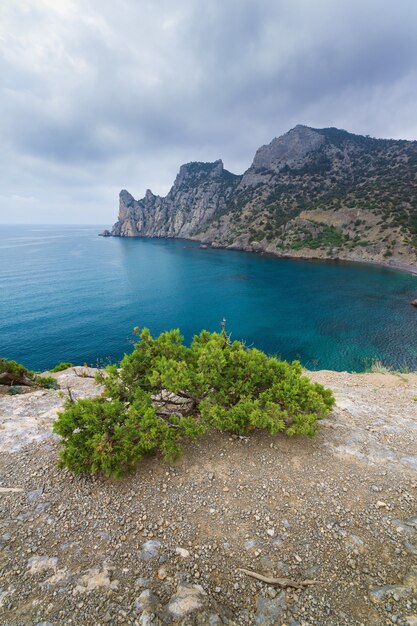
{"x":322,"y":193}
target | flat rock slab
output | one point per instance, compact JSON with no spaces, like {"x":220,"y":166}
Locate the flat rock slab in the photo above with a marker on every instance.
{"x":29,"y":416}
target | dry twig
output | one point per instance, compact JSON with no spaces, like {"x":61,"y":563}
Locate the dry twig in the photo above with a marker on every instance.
{"x":83,"y":373}
{"x":281,"y":582}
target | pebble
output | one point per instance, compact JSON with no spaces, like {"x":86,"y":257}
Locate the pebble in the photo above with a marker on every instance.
{"x":34,"y":495}
{"x":162,"y":573}
{"x":150,"y":549}
{"x":183,"y":553}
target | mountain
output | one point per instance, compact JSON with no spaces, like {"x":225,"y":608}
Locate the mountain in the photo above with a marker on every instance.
{"x":322,"y":193}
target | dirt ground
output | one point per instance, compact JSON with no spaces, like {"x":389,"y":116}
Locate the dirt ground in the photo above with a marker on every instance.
{"x":167,"y":544}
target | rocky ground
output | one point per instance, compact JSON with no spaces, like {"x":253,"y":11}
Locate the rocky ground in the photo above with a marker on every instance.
{"x":167,"y":544}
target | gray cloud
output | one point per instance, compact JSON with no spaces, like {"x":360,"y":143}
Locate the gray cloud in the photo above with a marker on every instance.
{"x":97,"y":96}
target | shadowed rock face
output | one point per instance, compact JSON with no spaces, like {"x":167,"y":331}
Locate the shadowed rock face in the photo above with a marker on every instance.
{"x":200,"y":191}
{"x":288,"y":150}
{"x":311,"y":192}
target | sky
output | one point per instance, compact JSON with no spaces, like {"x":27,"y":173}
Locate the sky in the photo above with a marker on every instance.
{"x":98,"y":95}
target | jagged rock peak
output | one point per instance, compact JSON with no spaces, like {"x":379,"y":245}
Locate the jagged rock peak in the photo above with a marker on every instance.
{"x":203,"y":165}
{"x":126,"y":198}
{"x":289,"y":148}
{"x":197,"y":170}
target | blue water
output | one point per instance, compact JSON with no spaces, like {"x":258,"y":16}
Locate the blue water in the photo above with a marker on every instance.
{"x":67,"y":294}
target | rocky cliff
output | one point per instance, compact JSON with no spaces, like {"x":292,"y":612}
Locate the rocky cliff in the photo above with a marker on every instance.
{"x":200,"y":192}
{"x":311,"y":193}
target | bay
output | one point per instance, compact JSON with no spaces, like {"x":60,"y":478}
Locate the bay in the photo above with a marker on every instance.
{"x":67,"y":294}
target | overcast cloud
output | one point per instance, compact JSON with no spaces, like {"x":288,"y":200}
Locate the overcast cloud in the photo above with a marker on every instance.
{"x":98,"y":95}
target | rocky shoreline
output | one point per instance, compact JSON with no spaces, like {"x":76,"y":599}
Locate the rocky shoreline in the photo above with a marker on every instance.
{"x":410,"y":267}
{"x":311,"y":193}
{"x":167,"y":545}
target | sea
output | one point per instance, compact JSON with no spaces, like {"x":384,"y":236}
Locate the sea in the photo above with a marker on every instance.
{"x":67,"y":294}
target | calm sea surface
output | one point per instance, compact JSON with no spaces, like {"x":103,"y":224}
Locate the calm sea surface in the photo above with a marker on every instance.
{"x":66,"y":294}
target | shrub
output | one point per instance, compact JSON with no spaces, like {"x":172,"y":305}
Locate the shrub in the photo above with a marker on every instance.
{"x":61,"y":367}
{"x":110,"y":437}
{"x":48,"y":382}
{"x":165,"y":391}
{"x":14,"y":390}
{"x":12,"y":373}
{"x":15,"y":375}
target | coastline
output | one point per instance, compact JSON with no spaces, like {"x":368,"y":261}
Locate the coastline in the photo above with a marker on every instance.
{"x":394,"y":265}
{"x":400,"y":267}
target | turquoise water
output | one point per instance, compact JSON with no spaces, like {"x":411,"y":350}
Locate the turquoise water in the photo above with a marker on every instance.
{"x":67,"y":294}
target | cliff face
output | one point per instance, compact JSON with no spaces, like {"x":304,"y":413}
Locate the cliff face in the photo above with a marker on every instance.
{"x":312,"y":192}
{"x":200,"y":192}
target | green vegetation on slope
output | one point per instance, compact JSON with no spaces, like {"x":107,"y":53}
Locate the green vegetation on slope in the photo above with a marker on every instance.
{"x":347,"y":172}
{"x":61,"y":367}
{"x":367,"y":187}
{"x":328,"y":236}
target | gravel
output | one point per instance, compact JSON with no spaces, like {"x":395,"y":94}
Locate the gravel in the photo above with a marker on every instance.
{"x":165,"y":545}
